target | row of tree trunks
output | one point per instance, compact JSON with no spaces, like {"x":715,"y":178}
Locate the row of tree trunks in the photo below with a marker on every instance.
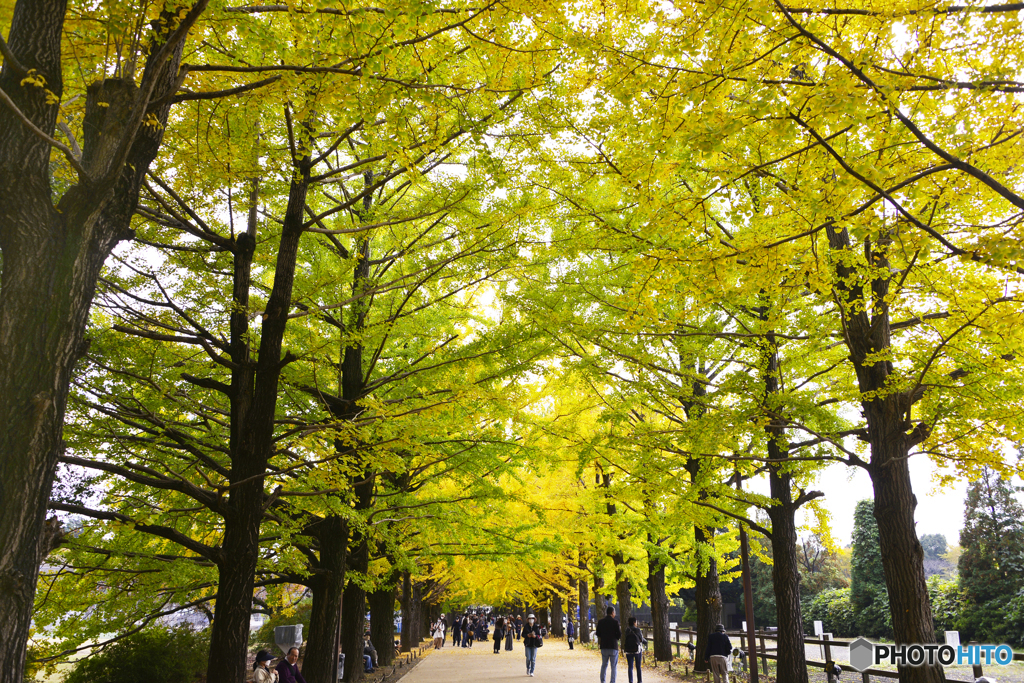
{"x":412,"y":629}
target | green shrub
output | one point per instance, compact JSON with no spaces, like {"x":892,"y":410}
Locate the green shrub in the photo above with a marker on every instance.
{"x":156,"y":655}
{"x":833,"y":609}
{"x":875,"y":619}
{"x":946,"y":600}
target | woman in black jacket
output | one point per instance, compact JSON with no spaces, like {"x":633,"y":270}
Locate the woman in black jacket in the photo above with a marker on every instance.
{"x":499,"y":634}
{"x":633,"y":642}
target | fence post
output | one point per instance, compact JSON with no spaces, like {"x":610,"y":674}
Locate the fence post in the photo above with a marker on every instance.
{"x":764,"y":654}
{"x":865,"y":677}
{"x":677,"y":644}
{"x":828,"y":650}
{"x":977,"y":667}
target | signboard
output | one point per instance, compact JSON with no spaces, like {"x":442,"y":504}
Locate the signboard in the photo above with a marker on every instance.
{"x":744,"y":627}
{"x":818,"y":629}
{"x":953,"y":638}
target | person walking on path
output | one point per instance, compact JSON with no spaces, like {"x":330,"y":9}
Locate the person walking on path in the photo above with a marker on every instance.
{"x":531,"y":641}
{"x":633,"y":645}
{"x":718,"y":648}
{"x":439,"y":628}
{"x":456,"y":631}
{"x":570,"y":632}
{"x":608,"y":633}
{"x":508,"y":633}
{"x":519,"y":626}
{"x":499,"y":634}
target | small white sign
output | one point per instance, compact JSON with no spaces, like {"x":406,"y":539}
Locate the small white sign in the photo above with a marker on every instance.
{"x":953,"y":638}
{"x":818,"y":629}
{"x":744,"y":627}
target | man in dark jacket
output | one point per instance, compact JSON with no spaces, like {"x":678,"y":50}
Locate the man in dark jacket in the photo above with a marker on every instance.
{"x":287,"y":670}
{"x":608,"y":633}
{"x":570,"y":631}
{"x":717,"y":650}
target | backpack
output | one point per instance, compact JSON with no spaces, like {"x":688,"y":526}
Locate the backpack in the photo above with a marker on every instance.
{"x":634,"y":640}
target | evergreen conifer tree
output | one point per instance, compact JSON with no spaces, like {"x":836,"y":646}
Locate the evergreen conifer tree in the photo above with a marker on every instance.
{"x":867,"y":579}
{"x":991,"y":565}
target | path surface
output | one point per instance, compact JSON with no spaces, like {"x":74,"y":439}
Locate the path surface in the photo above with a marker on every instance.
{"x":556,"y":663}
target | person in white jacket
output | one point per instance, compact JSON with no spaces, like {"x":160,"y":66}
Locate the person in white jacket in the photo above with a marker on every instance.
{"x":262,"y":672}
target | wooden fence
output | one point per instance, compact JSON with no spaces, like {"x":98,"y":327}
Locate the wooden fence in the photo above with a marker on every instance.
{"x":682,"y":638}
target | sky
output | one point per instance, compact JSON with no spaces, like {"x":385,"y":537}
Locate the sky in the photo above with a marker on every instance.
{"x":940,"y":510}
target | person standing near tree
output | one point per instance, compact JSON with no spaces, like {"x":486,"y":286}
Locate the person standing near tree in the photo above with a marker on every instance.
{"x":633,"y":645}
{"x":719,"y":647}
{"x":570,"y":632}
{"x":608,"y":633}
{"x":499,"y":634}
{"x":456,"y":631}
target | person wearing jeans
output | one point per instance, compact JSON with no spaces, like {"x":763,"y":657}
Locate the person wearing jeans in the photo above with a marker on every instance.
{"x":531,"y":639}
{"x":633,"y":645}
{"x":608,"y":633}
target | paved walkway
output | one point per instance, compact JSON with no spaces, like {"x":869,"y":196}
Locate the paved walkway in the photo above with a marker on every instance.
{"x":556,"y":663}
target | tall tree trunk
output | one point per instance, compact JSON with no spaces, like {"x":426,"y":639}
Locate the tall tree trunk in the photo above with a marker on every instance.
{"x":792,"y":661}
{"x":659,"y":609}
{"x":382,"y":623}
{"x":708,"y":596}
{"x":571,"y":601}
{"x":864,"y":296}
{"x":52,"y":257}
{"x":407,"y":638}
{"x":584,"y":602}
{"x":557,"y":629}
{"x":622,"y":592}
{"x":353,"y":624}
{"x":599,"y":602}
{"x":251,"y":450}
{"x":320,"y":664}
{"x":543,"y":617}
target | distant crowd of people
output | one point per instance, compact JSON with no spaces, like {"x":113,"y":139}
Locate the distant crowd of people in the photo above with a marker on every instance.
{"x":469,"y":627}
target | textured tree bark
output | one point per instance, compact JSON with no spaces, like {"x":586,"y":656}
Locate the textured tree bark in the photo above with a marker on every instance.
{"x":320,"y":664}
{"x":557,"y":629}
{"x":543,"y":617}
{"x":659,"y":610}
{"x":584,"y":603}
{"x":52,"y":256}
{"x":407,"y":639}
{"x":382,"y":623}
{"x":709,"y":600}
{"x":792,"y":660}
{"x":600,"y":604}
{"x":891,"y":435}
{"x":353,"y":623}
{"x":622,"y":592}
